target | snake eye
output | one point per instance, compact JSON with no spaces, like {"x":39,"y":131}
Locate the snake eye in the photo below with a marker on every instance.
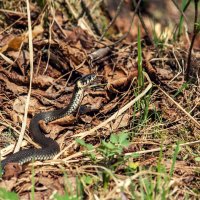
{"x":85,"y":80}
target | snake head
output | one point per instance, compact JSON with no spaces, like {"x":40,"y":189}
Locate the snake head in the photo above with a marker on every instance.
{"x":85,"y":80}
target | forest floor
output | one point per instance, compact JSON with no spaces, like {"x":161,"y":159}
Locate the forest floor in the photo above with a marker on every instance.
{"x":136,"y":134}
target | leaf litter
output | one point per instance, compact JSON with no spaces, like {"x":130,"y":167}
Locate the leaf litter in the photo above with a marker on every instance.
{"x":59,"y":62}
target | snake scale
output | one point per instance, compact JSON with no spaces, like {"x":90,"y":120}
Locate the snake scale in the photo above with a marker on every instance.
{"x":49,"y":147}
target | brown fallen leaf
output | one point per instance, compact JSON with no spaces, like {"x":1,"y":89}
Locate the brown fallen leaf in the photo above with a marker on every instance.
{"x":16,"y":89}
{"x":43,"y":80}
{"x":22,"y":58}
{"x":120,"y":122}
{"x":8,"y":184}
{"x":149,"y":67}
{"x":67,"y":120}
{"x":12,"y":170}
{"x":37,"y":30}
{"x":14,"y":44}
{"x":54,"y":127}
{"x":50,"y":184}
{"x":94,"y":103}
{"x":181,"y":166}
{"x":78,"y":34}
{"x":19,"y":104}
{"x":15,"y":117}
{"x":118,"y":79}
{"x":165,"y":74}
{"x":83,"y":70}
{"x":69,"y":181}
{"x":86,"y":118}
{"x":170,"y":114}
{"x":110,"y":106}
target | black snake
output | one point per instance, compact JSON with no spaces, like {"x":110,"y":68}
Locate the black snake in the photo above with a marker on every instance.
{"x":49,"y":147}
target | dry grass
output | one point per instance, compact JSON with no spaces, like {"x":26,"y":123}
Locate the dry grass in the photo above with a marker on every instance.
{"x":151,"y":152}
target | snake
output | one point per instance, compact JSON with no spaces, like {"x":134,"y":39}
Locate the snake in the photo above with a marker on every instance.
{"x":49,"y":147}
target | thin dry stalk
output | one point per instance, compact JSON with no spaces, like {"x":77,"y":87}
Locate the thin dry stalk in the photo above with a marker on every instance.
{"x":10,"y":148}
{"x":75,"y":157}
{"x":179,"y":9}
{"x":21,"y":136}
{"x":181,"y":108}
{"x":163,"y":148}
{"x":113,"y":20}
{"x":8,"y":60}
{"x":131,"y":24}
{"x":7,"y":28}
{"x":81,"y":22}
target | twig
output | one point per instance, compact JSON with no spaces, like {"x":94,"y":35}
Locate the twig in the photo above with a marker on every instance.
{"x":71,"y":158}
{"x":180,"y":107}
{"x":131,"y":23}
{"x":163,"y":148}
{"x":195,"y":32}
{"x":14,"y":129}
{"x":81,"y":22}
{"x":142,"y":22}
{"x":8,"y":60}
{"x":11,"y":11}
{"x":181,"y":11}
{"x":10,"y":148}
{"x":179,"y":66}
{"x":8,"y":27}
{"x":99,"y":157}
{"x":86,"y":12}
{"x":19,"y":142}
{"x":113,"y":20}
{"x":50,"y":38}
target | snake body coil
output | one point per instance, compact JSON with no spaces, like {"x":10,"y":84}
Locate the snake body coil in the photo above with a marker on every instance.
{"x":49,"y":147}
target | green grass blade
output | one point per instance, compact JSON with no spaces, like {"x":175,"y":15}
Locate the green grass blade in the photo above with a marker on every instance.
{"x":6,"y":195}
{"x":180,"y":25}
{"x":174,"y":159}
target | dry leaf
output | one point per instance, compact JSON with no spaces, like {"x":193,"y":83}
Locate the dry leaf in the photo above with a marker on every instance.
{"x":12,"y":86}
{"x":8,"y":184}
{"x":86,"y":118}
{"x":19,"y":104}
{"x":165,"y":74}
{"x":67,"y":120}
{"x":12,"y":170}
{"x":37,"y":30}
{"x":118,"y":79}
{"x":43,"y":80}
{"x":14,"y":44}
{"x":78,"y":34}
{"x":120,"y":122}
